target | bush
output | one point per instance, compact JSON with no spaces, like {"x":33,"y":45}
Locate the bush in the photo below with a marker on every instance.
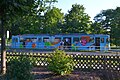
{"x":19,"y":69}
{"x":60,"y":63}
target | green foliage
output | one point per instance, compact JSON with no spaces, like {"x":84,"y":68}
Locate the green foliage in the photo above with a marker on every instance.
{"x":33,"y":23}
{"x":96,"y":28}
{"x":52,"y":18}
{"x":109,"y":20}
{"x":19,"y":69}
{"x":60,"y":63}
{"x":24,"y":16}
{"x":77,"y":21}
{"x":10,"y":8}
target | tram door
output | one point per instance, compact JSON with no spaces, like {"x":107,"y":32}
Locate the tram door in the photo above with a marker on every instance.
{"x":97,"y":43}
{"x":67,"y":42}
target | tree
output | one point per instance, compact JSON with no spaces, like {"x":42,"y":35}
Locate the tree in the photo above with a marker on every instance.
{"x":13,"y":12}
{"x":77,"y":21}
{"x":9,"y":9}
{"x":26,"y":24}
{"x":52,"y":18}
{"x":32,"y":23}
{"x":110,"y":20}
{"x":96,"y":28}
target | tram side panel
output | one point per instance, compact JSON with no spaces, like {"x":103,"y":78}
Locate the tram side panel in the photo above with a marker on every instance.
{"x":83,"y":42}
{"x":48,"y":42}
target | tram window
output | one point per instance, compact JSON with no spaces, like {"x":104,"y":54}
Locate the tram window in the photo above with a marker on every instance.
{"x":91,"y":39}
{"x":102,"y":40}
{"x":76,"y":39}
{"x":57,"y":40}
{"x":39,"y":40}
{"x":31,"y":39}
{"x":15,"y":40}
{"x":34,"y":39}
{"x":27,"y":39}
{"x":46,"y":40}
{"x":108,"y":40}
{"x":80,"y":39}
{"x":21,"y":39}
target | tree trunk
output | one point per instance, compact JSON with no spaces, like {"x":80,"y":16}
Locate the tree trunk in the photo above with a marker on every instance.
{"x":3,"y":50}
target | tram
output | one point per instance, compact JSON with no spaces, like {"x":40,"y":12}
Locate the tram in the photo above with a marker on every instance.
{"x":73,"y":41}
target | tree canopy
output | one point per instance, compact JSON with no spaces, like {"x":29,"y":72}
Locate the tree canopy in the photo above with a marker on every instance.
{"x":52,"y":18}
{"x":109,"y":22}
{"x":77,"y":21}
{"x":8,"y":10}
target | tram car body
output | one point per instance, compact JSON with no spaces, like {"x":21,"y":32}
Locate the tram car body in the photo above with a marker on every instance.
{"x":70,"y":41}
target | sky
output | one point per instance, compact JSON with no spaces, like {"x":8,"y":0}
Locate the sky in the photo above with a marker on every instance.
{"x":93,"y":7}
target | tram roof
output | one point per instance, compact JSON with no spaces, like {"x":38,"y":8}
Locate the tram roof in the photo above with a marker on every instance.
{"x":70,"y":34}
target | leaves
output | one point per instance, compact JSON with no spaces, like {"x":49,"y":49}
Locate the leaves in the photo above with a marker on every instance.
{"x":52,"y":18}
{"x":109,"y":20}
{"x":77,"y":21}
{"x":19,"y":69}
{"x":60,"y":63}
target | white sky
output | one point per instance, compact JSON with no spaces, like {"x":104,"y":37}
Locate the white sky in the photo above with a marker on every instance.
{"x":93,"y":7}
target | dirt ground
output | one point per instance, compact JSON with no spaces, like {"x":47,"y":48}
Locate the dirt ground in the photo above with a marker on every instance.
{"x":41,"y":73}
{"x":44,"y":74}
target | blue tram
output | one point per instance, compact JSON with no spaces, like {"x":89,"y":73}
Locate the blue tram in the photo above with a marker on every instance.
{"x":62,"y":41}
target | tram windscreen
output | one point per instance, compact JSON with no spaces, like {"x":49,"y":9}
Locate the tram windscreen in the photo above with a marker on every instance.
{"x":15,"y":40}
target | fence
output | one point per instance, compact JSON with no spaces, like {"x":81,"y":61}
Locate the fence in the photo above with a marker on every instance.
{"x":83,"y":61}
